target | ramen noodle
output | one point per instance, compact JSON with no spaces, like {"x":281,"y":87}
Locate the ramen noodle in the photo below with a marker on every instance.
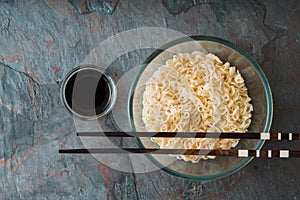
{"x":196,"y":92}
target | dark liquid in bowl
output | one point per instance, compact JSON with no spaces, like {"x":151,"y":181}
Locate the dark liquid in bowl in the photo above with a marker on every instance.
{"x":88,"y":92}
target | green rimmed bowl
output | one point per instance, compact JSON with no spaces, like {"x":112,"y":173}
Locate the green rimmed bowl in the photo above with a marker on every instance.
{"x":258,"y":90}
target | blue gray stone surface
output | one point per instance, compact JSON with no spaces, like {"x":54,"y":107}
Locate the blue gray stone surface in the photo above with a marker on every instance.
{"x":40,"y":41}
{"x":89,"y":6}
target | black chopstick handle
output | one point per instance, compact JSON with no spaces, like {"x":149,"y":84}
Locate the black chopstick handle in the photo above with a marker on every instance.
{"x":258,"y":136}
{"x":232,"y":152}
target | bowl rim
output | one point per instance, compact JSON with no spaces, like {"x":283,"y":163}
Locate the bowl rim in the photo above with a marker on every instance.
{"x":260,"y":73}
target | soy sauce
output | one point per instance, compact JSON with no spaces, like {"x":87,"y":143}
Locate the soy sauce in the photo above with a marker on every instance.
{"x":88,"y":92}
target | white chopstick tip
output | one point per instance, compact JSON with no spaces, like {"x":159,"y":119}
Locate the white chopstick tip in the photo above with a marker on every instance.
{"x":284,"y":154}
{"x":279,"y":136}
{"x":257,"y":153}
{"x":265,"y":136}
{"x":243,"y":153}
{"x":290,"y":136}
{"x":269,"y":153}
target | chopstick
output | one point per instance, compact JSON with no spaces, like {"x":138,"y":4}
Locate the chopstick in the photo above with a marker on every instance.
{"x":258,"y":136}
{"x":206,"y":152}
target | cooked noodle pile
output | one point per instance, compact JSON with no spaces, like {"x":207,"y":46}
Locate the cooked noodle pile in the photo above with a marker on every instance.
{"x":196,"y":93}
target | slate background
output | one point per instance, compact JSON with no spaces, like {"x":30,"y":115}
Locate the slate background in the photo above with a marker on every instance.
{"x":40,"y":41}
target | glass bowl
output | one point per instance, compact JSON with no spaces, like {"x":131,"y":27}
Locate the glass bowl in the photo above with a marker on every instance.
{"x":258,"y":90}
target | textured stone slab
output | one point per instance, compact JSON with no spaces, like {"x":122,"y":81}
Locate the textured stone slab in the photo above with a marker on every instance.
{"x":89,"y":6}
{"x":40,"y":41}
{"x":177,"y":6}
